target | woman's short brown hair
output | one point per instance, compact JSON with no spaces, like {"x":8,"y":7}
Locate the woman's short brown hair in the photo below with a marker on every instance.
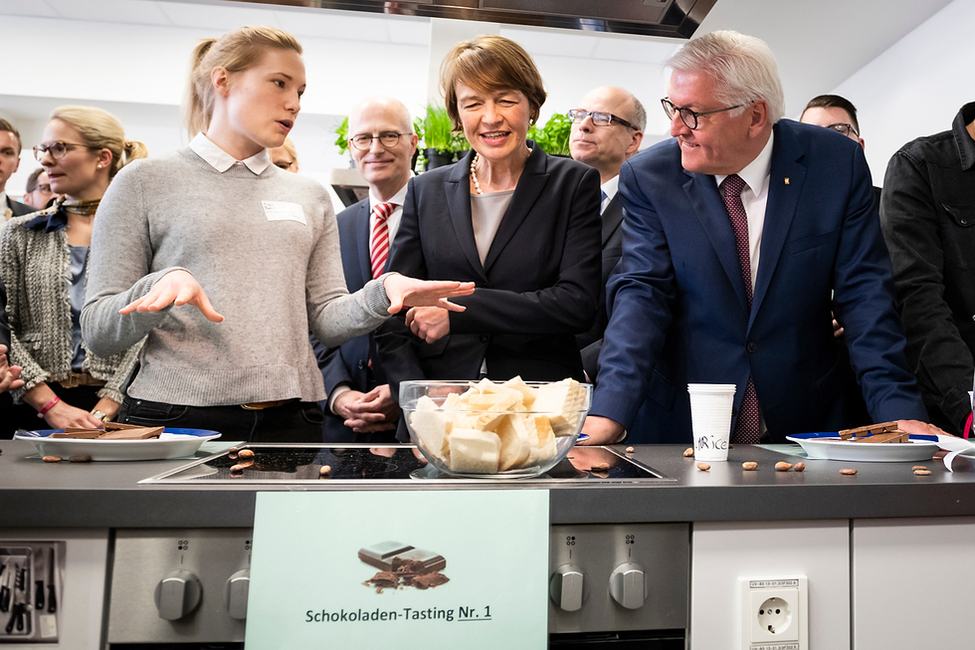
{"x":490,"y":63}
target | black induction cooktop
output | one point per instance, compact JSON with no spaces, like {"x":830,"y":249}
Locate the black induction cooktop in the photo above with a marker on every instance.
{"x":306,"y":464}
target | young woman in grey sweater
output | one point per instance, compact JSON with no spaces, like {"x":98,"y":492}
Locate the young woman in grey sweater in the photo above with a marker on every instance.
{"x":224,"y":262}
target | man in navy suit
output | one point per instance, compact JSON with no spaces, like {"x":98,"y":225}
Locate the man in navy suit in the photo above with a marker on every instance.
{"x":607,"y":129}
{"x":734,"y":285}
{"x":382,"y":144}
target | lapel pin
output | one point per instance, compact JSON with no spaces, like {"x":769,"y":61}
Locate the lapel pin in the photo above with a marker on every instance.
{"x":786,"y":180}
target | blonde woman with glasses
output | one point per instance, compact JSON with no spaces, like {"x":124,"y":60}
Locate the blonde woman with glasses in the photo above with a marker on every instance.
{"x":65,"y":384}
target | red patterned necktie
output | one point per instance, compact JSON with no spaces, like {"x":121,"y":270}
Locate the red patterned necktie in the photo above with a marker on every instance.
{"x":380,"y":238}
{"x":747,"y":428}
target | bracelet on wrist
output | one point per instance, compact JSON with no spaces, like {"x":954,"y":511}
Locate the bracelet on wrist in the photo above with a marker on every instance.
{"x":47,"y":407}
{"x":99,"y":415}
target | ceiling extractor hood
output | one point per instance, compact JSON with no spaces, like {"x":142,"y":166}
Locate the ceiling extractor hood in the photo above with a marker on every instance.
{"x":677,"y":18}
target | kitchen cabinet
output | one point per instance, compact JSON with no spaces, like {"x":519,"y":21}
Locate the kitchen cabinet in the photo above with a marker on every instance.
{"x":870,"y":545}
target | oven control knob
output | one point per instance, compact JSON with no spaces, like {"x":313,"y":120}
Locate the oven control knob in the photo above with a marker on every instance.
{"x":235,"y":594}
{"x":177,"y":595}
{"x":568,"y":587}
{"x":628,"y":585}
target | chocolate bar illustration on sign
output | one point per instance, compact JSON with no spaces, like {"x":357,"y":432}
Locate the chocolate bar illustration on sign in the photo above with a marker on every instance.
{"x":402,"y":565}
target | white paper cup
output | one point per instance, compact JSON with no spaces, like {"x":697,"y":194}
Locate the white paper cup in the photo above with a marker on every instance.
{"x":711,"y":406}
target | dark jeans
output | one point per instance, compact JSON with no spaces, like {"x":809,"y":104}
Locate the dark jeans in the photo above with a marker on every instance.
{"x":22,"y":416}
{"x":292,"y":422}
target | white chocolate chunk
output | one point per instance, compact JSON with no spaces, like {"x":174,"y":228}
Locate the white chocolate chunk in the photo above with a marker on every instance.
{"x":474,"y":452}
{"x":541,"y":440}
{"x":562,"y":402}
{"x":528,"y":393}
{"x":515,"y":447}
{"x":432,"y":428}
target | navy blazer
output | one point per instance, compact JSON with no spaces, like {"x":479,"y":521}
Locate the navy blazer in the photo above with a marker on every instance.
{"x":591,"y":342}
{"x":679,"y":312}
{"x":349,"y":363}
{"x":537,"y":288}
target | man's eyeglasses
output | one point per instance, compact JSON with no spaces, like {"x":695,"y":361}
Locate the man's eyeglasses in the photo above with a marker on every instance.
{"x":40,"y":188}
{"x":845,"y":129}
{"x":57,"y":149}
{"x":687,"y":116}
{"x":599,"y":118}
{"x":363,"y":142}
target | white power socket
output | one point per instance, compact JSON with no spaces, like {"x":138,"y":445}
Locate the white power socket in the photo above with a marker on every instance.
{"x":774,"y":614}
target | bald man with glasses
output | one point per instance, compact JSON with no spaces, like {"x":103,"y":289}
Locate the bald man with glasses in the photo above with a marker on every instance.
{"x":607,"y":130}
{"x":359,"y":407}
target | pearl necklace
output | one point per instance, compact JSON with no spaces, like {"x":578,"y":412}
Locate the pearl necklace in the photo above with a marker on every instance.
{"x":477,"y":186}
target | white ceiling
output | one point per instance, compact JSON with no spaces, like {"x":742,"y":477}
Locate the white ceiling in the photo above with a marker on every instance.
{"x":818,"y":43}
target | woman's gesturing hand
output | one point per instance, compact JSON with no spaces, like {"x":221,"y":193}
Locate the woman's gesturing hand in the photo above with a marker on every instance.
{"x":410,"y":292}
{"x":175,"y":288}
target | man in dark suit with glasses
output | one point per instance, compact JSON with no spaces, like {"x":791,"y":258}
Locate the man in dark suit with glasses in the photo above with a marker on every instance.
{"x":359,"y":406}
{"x":607,"y":129}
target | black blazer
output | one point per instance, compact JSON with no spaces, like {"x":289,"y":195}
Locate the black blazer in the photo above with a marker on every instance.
{"x":612,"y":236}
{"x":17,"y":208}
{"x":349,"y":363}
{"x":537,"y":288}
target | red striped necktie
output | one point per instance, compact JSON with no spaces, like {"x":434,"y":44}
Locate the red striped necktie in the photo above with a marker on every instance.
{"x":380,"y":237}
{"x":747,"y":428}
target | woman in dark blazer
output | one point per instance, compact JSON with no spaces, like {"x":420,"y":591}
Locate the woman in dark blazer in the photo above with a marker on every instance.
{"x":522,"y":225}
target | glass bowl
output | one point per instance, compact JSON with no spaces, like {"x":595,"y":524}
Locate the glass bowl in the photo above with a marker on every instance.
{"x":513,"y":429}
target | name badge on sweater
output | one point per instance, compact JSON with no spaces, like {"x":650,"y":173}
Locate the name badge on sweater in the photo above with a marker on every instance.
{"x":283,"y":211}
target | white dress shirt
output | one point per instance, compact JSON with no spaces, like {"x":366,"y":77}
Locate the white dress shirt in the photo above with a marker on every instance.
{"x":755,"y":199}
{"x":220,"y":160}
{"x":609,"y":188}
{"x":392,"y":222}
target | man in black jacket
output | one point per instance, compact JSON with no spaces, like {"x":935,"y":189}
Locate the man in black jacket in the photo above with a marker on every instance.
{"x":927,"y":213}
{"x":607,"y":130}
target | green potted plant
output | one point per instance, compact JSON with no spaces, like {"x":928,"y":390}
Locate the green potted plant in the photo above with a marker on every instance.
{"x":440,"y":141}
{"x":553,"y":137}
{"x":342,"y":138}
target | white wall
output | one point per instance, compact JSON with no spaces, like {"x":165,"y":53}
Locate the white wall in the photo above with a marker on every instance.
{"x":916,"y":87}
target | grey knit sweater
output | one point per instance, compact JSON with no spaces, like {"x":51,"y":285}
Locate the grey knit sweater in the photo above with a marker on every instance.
{"x":264,"y":248}
{"x":36,"y":267}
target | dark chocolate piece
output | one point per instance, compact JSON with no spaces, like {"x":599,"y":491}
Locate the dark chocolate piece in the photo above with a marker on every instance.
{"x":380,"y":555}
{"x":418,"y":561}
{"x":429,"y":580}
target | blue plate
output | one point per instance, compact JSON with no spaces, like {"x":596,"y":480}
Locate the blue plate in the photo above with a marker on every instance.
{"x":833,"y":434}
{"x":173,"y":443}
{"x":44,"y":433}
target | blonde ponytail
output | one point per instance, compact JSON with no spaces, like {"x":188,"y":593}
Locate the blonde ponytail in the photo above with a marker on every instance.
{"x":133,"y":150}
{"x":195,"y":109}
{"x":235,"y":51}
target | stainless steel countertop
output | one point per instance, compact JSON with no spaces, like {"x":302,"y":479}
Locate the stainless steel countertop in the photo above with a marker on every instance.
{"x":107,"y":494}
